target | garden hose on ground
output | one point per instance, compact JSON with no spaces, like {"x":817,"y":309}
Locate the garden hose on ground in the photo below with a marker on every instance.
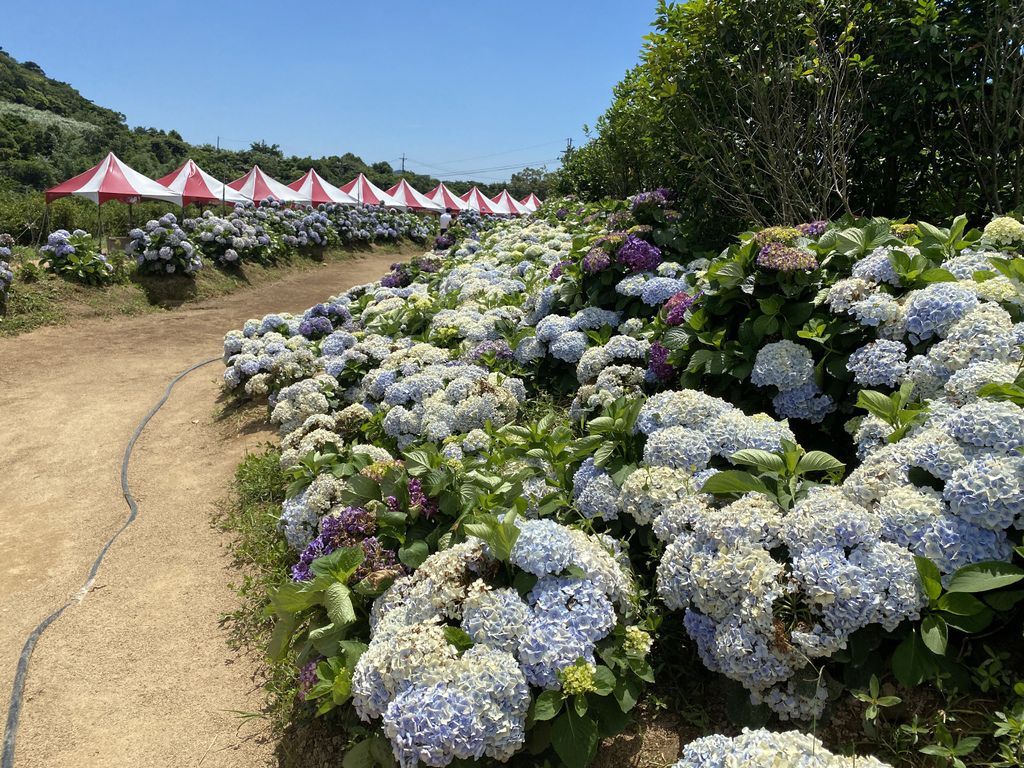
{"x":18,"y":690}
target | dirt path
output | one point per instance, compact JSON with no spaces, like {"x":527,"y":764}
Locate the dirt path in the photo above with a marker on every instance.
{"x":139,"y":673}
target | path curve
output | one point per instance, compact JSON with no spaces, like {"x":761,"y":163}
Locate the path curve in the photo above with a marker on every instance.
{"x":139,"y":673}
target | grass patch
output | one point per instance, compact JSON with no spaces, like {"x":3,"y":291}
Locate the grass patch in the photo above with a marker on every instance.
{"x":50,"y":300}
{"x":261,"y":558}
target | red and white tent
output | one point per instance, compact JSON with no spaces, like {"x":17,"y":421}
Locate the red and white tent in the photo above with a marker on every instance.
{"x":446,"y":198}
{"x":368,"y":193}
{"x":312,"y":186}
{"x":404,"y":192}
{"x":257,"y":186}
{"x":506,"y":199}
{"x":531,"y":201}
{"x":478,"y":201}
{"x":113,"y":180}
{"x":197,"y":186}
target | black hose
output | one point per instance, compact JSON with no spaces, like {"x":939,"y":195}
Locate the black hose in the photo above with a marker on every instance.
{"x":18,"y":690}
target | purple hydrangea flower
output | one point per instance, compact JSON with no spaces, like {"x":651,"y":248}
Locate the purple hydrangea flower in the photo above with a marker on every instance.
{"x":596,"y":260}
{"x":637,"y":255}
{"x":417,"y":498}
{"x":316,"y":327}
{"x":658,"y":364}
{"x":813,"y":228}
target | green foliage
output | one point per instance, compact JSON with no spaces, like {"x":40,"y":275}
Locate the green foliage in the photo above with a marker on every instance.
{"x":897,"y":410}
{"x":914,"y":104}
{"x":780,"y":475}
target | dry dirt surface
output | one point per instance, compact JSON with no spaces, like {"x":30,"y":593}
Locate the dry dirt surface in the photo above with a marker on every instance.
{"x":137,"y":674}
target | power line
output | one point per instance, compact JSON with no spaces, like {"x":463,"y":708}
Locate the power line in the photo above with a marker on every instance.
{"x":471,"y":171}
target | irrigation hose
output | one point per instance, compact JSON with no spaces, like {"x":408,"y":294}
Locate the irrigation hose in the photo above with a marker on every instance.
{"x":18,"y":690}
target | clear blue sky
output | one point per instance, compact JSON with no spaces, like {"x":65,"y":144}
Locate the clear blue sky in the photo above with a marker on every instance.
{"x":457,"y":85}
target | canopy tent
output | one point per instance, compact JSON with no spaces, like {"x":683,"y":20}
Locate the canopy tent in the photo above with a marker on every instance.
{"x":259,"y":187}
{"x":531,"y":201}
{"x":404,"y":192}
{"x":478,"y":201}
{"x":197,"y":186}
{"x":113,"y":180}
{"x":314,"y":187}
{"x":506,"y":199}
{"x":367,"y":193}
{"x":447,"y":199}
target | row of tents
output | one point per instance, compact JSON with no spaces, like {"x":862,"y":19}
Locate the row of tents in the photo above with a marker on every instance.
{"x":112,"y":179}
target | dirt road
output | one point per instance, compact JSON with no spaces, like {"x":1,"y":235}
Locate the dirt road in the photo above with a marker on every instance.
{"x":138,"y":674}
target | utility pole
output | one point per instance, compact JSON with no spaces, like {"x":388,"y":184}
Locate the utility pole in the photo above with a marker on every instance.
{"x":403,"y":163}
{"x":568,"y":145}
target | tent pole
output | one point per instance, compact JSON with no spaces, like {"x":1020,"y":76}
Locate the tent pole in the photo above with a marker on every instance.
{"x":42,"y":229}
{"x":99,"y":225}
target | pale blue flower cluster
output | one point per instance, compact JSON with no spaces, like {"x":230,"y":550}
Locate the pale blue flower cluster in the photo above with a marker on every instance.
{"x":436,"y":706}
{"x":762,"y":748}
{"x":879,"y":363}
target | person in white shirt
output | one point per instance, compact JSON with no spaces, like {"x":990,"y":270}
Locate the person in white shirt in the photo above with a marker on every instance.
{"x":446,"y":220}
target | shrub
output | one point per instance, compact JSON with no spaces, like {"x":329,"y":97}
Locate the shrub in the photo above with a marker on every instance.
{"x":162,"y":247}
{"x":75,"y":256}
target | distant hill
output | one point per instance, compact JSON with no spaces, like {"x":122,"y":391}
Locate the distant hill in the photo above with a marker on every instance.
{"x":50,"y":132}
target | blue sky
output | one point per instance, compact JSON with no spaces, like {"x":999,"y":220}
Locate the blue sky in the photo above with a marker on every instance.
{"x":457,"y":85}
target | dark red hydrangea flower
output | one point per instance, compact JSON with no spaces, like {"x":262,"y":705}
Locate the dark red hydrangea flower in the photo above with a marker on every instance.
{"x":677,"y":306}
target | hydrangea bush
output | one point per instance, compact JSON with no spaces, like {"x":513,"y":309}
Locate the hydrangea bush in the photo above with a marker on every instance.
{"x":532,"y":447}
{"x":163,"y":247}
{"x":76,"y":256}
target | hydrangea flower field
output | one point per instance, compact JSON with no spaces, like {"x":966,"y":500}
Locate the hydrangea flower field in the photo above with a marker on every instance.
{"x":516,"y":464}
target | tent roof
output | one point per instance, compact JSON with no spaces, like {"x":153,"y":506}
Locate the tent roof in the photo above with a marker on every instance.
{"x":258,"y":186}
{"x":368,"y":193}
{"x":505,"y":198}
{"x":446,"y":198}
{"x":414,"y":200}
{"x":197,"y":186}
{"x":531,"y":201}
{"x":478,"y":201}
{"x":112,"y":179}
{"x":314,"y":187}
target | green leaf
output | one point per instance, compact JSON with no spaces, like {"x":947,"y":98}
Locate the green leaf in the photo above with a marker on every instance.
{"x":753,"y":457}
{"x":960,"y":604}
{"x":1004,"y":601}
{"x":340,"y":564}
{"x":912,"y":662}
{"x":290,"y":597}
{"x":733,"y":481}
{"x":877,"y":403}
{"x":281,"y":637}
{"x":574,"y":739}
{"x":338,"y":601}
{"x":604,"y":680}
{"x":931,"y":578}
{"x":414,"y":553}
{"x":627,"y":693}
{"x":547,"y":705}
{"x":458,"y":637}
{"x":818,"y":461}
{"x":982,"y":577}
{"x":935,"y":634}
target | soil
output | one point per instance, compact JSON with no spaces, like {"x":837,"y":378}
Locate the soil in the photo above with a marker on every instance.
{"x":139,"y":672}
